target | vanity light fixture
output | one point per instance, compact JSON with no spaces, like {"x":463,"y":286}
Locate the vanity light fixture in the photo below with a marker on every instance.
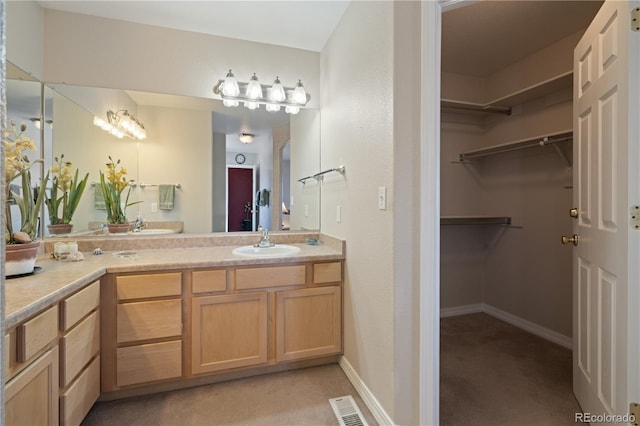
{"x":246,"y":138}
{"x":121,"y":125}
{"x":252,"y":94}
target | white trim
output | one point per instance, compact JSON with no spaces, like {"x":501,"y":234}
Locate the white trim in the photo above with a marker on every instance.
{"x":381,"y":416}
{"x":531,"y":327}
{"x":461,"y":310}
{"x":429,"y":187}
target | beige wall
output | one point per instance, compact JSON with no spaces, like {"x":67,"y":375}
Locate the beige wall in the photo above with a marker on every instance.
{"x":304,"y":128}
{"x":357,"y":131}
{"x":164,"y":157}
{"x":25,"y":43}
{"x":91,"y":51}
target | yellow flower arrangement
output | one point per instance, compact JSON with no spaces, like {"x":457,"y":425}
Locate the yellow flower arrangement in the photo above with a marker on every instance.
{"x":67,"y":182}
{"x":16,"y":165}
{"x":113,"y":185}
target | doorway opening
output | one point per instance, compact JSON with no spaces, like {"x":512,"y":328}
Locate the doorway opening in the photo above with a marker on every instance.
{"x":506,"y":190}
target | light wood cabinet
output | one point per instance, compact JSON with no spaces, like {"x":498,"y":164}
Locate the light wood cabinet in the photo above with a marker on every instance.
{"x":142,"y":329}
{"x":149,"y":363}
{"x":308,"y":323}
{"x":77,"y":399}
{"x":79,"y":354}
{"x":31,"y":397}
{"x":228,"y":331}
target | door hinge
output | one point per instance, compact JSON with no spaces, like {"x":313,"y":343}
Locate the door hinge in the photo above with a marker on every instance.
{"x":634,"y":413}
{"x":635,"y":217}
{"x":635,"y":19}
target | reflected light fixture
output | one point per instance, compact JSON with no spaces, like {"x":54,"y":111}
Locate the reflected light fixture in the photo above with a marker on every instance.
{"x":277,"y":96}
{"x":121,"y":125}
{"x":246,"y":138}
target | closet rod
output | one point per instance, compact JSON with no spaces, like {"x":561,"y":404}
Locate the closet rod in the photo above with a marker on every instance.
{"x":475,"y":220}
{"x":516,"y":146}
{"x":475,"y":107}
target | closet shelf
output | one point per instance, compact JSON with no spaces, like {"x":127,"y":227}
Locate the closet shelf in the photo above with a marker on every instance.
{"x":475,"y":220}
{"x":539,"y":141}
{"x":472,"y":107}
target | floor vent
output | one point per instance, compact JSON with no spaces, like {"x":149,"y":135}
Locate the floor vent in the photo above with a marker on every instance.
{"x":347,"y":411}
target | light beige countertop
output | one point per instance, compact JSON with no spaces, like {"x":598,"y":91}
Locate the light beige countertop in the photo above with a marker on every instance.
{"x":26,"y":296}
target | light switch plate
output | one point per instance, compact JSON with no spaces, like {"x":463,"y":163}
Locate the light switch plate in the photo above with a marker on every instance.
{"x":382,"y":198}
{"x":154,"y":207}
{"x":338,"y":214}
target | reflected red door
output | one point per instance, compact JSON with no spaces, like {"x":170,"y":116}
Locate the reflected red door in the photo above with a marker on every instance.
{"x":240,"y":192}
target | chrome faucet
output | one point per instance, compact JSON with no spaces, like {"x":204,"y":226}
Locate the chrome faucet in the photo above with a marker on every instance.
{"x":139,"y":224}
{"x":264,"y":241}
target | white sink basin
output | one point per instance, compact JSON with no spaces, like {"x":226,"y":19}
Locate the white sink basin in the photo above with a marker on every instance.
{"x":279,"y":250}
{"x":156,"y":231}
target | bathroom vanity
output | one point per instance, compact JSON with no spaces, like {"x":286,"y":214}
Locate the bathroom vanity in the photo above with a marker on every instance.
{"x":158,"y":319}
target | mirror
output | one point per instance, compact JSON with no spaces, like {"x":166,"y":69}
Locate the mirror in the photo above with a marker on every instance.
{"x":191,"y":143}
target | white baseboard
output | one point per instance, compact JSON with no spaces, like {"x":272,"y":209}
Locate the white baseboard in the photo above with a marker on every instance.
{"x":367,"y":396}
{"x":538,"y":330}
{"x":461,"y":310}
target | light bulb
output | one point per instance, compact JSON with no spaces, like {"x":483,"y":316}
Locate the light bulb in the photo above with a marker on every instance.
{"x":230,"y":85}
{"x":299,"y":94}
{"x":254,"y":90}
{"x":252,"y":105}
{"x":230,"y":103}
{"x":277,"y":91}
{"x":272,"y":108}
{"x":292,"y":110}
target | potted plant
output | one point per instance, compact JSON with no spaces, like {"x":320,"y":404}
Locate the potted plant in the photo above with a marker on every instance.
{"x":113,"y":186}
{"x":71,"y":188}
{"x":21,"y":247}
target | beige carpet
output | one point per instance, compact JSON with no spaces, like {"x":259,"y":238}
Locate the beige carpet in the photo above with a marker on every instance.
{"x":493,"y":373}
{"x":298,"y":397}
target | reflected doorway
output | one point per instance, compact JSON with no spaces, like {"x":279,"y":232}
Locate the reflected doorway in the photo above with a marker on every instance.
{"x":241,"y":189}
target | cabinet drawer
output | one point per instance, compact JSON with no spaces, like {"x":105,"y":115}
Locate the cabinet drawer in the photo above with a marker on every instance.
{"x":76,"y":307}
{"x":275,"y":276}
{"x":78,"y":347}
{"x":327,"y":272}
{"x":206,"y":281}
{"x":148,"y":285}
{"x":149,"y":320}
{"x":149,"y":363}
{"x":35,"y":334}
{"x":76,"y":402}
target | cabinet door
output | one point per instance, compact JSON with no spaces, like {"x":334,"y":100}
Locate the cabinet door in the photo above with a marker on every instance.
{"x":228,"y":331}
{"x":308,"y":323}
{"x":32,"y":396}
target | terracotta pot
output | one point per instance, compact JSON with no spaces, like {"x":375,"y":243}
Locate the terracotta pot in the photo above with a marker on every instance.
{"x":61,"y":228}
{"x":118,"y":228}
{"x":20,"y":258}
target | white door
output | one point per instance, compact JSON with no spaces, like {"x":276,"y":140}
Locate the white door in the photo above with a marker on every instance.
{"x":606,"y":116}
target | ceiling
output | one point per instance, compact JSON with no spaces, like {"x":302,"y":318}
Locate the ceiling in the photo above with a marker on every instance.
{"x":478,"y":39}
{"x":302,"y":24}
{"x":486,"y":36}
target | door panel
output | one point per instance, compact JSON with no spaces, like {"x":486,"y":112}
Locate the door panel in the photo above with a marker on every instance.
{"x":604,"y":60}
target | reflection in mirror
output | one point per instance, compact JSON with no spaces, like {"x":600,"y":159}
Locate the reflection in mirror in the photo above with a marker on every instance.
{"x":190,"y":145}
{"x":23,"y":97}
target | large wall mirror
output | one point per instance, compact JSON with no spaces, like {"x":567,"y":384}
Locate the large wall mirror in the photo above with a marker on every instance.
{"x":193,"y":145}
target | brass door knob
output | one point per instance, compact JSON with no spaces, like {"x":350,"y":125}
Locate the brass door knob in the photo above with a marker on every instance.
{"x":572,"y":239}
{"x":573,"y":213}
